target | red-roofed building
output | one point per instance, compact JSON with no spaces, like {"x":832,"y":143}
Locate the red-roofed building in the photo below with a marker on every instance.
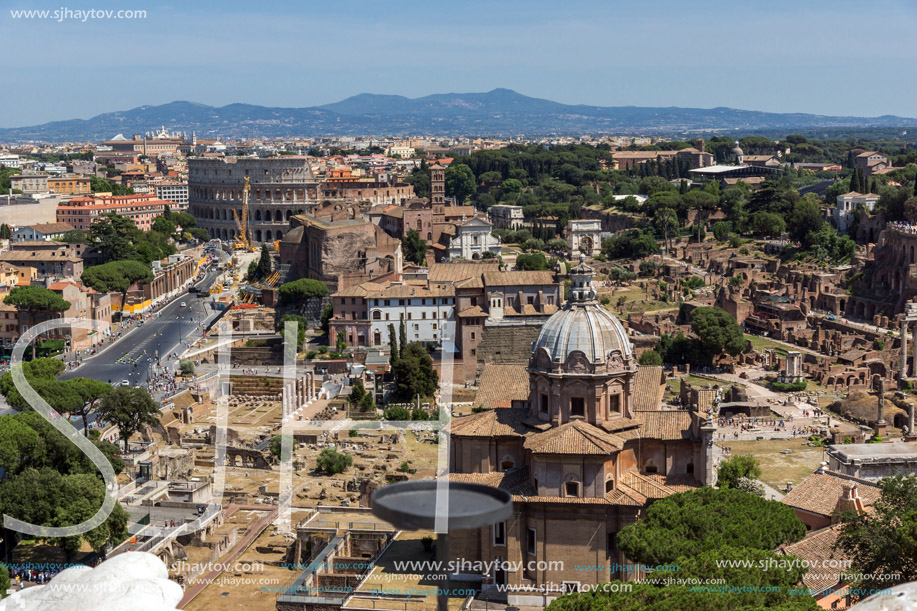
{"x":82,"y":211}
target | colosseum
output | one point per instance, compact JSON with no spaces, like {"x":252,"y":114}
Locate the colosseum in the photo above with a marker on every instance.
{"x":280,"y":188}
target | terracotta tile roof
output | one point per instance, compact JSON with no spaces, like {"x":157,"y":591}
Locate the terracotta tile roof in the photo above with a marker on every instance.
{"x":455,"y":272}
{"x":655,"y":486}
{"x":577,"y":437}
{"x":500,"y":422}
{"x":820,"y":492}
{"x":497,"y":278}
{"x":47,"y":228}
{"x":816,"y":549}
{"x":502,"y":384}
{"x":472,"y":312}
{"x":666,"y":425}
{"x":470,"y":283}
{"x":649,"y":384}
{"x":530,"y":310}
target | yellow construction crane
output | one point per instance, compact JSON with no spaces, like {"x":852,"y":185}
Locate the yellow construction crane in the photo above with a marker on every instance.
{"x":242,"y":224}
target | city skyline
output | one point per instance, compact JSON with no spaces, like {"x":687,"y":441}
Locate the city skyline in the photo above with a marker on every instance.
{"x":774,"y":59}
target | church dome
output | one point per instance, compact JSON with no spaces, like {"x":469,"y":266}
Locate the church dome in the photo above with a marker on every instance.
{"x":582,"y":326}
{"x":737,"y":150}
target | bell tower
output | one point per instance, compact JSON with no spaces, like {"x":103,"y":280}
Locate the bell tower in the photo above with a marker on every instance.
{"x":437,"y":185}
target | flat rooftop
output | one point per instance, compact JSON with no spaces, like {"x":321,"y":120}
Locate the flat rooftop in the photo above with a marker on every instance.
{"x":874,"y":451}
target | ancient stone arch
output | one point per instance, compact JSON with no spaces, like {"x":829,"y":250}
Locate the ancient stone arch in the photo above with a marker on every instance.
{"x":249,"y":459}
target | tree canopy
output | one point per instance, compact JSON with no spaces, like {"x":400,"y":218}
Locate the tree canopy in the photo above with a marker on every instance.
{"x":302,"y":290}
{"x":117,"y":276}
{"x":414,"y":373}
{"x":707,"y":519}
{"x":130,"y":409}
{"x":415,"y":249}
{"x":718,"y":331}
{"x":460,"y":182}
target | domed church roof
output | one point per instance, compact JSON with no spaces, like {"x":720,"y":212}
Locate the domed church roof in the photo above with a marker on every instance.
{"x":582,"y":325}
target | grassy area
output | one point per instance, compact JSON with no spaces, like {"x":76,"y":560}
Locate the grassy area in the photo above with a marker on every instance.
{"x":777,"y":469}
{"x":762,"y":343}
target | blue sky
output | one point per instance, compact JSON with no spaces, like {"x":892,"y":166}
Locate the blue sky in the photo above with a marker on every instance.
{"x":837,"y":57}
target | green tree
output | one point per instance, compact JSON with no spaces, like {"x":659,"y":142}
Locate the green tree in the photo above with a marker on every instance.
{"x":300,"y":329}
{"x":460,"y":181}
{"x":414,"y":374}
{"x":532,"y":262}
{"x":5,"y":234}
{"x":130,"y":409}
{"x":74,"y":236}
{"x":767,"y":224}
{"x":650,"y":357}
{"x":736,"y":467}
{"x":35,"y":301}
{"x":357,"y":392}
{"x":805,"y":220}
{"x":392,"y":344}
{"x":884,"y":540}
{"x":397,"y":412}
{"x":275,"y":445}
{"x":331,"y":461}
{"x":327,"y":314}
{"x":647,"y":268}
{"x":721,"y":230}
{"x":301,"y":291}
{"x":117,"y":276}
{"x":111,"y":237}
{"x":186,"y":367}
{"x":414,"y":248}
{"x":707,"y":519}
{"x":718,"y":331}
{"x":402,"y":338}
{"x":264,"y":264}
{"x":90,"y":393}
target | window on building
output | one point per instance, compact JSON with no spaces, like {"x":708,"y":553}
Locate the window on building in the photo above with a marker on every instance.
{"x":387,"y":302}
{"x":689,"y":468}
{"x":474,"y":352}
{"x":650,"y":467}
{"x":409,"y":315}
{"x":472,"y":335}
{"x":543,"y":405}
{"x":550,"y":299}
{"x":386,"y":316}
{"x":499,"y":533}
{"x":506,"y":465}
{"x":609,"y":485}
{"x":434,"y":326}
{"x":614,"y":404}
{"x":423,"y":315}
{"x":377,"y":315}
{"x":530,"y":541}
{"x":578,"y":406}
{"x":530,"y":300}
{"x":571,"y":489}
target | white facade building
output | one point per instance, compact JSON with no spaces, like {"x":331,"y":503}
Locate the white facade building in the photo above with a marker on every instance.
{"x":504,"y":216}
{"x":473,"y":238}
{"x":174,"y":192}
{"x":10,"y":161}
{"x":847,"y":205}
{"x":424,"y":310}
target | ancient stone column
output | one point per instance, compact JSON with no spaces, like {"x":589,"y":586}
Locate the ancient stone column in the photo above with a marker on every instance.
{"x":914,"y":348}
{"x":904,"y":331}
{"x":881,"y":426}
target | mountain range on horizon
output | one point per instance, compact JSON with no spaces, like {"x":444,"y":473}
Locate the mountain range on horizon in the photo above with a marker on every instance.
{"x":500,"y":112}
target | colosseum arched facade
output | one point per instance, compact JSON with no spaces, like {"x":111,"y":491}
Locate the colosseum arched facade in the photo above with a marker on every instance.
{"x":280,"y":188}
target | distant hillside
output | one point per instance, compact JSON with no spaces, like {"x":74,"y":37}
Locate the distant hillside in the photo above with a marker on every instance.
{"x":497,"y":112}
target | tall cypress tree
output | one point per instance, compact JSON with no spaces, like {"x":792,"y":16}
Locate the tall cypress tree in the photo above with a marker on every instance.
{"x":403,"y":338}
{"x":393,"y":344}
